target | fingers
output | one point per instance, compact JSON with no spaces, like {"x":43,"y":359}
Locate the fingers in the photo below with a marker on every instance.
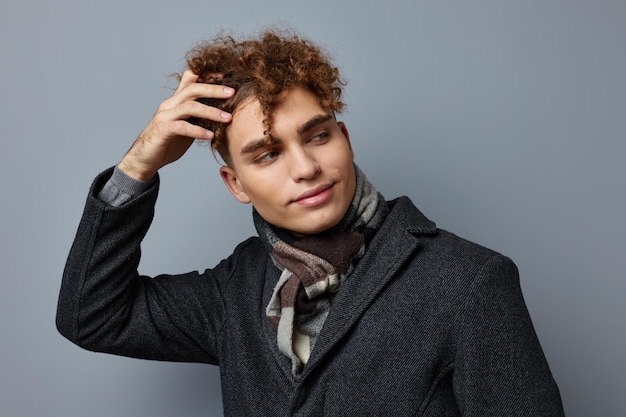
{"x":187,"y":78}
{"x":184,"y":105}
{"x":198,"y":110}
{"x":183,"y":129}
{"x":164,"y":129}
{"x":195,"y":91}
{"x":189,"y":89}
{"x":174,"y":122}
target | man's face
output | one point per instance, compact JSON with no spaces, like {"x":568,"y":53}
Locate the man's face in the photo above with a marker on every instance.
{"x":305,"y":180}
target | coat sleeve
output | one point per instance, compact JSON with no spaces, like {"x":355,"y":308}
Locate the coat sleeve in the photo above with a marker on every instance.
{"x":500,"y":368}
{"x":105,"y":305}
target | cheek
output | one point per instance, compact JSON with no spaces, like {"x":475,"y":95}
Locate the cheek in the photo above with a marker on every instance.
{"x":342,"y":151}
{"x":262,"y":190}
{"x":342,"y":161}
{"x":332,"y":158}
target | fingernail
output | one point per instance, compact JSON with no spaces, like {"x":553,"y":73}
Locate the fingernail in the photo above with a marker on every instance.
{"x":209,"y":134}
{"x":225,"y":115}
{"x":229,"y":90}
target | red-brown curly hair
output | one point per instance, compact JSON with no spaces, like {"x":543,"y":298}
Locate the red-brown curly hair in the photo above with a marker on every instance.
{"x":262,"y":68}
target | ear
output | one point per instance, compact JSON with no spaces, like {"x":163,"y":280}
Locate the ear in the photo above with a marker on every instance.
{"x":229,"y":176}
{"x":344,"y":130}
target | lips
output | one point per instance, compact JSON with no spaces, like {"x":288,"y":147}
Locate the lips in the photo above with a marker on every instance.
{"x":315,"y":195}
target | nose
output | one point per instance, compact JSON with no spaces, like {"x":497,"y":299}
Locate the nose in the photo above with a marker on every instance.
{"x":303,"y":165}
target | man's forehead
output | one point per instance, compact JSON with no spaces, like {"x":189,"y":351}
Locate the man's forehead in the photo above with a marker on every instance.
{"x":250,"y":116}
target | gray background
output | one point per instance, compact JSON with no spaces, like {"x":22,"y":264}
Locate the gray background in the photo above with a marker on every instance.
{"x":503,"y":120}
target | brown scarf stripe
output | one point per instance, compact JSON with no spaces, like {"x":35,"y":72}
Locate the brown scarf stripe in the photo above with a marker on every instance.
{"x":313,"y":276}
{"x":306,"y":266}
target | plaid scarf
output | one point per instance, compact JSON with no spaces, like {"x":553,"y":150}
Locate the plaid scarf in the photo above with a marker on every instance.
{"x":313,"y":269}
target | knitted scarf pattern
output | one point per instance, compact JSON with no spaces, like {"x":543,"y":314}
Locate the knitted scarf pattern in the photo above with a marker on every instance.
{"x":313,"y":269}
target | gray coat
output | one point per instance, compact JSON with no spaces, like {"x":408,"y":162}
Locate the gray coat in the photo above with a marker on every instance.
{"x":428,"y":324}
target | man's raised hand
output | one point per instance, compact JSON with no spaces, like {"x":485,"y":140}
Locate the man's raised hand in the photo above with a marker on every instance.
{"x":168,"y":135}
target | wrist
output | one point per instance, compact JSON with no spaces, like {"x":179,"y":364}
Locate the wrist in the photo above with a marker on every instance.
{"x":133,"y":171}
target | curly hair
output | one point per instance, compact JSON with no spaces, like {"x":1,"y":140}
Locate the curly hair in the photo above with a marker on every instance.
{"x":262,"y":68}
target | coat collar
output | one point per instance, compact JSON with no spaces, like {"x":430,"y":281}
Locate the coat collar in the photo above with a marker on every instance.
{"x":394,"y":243}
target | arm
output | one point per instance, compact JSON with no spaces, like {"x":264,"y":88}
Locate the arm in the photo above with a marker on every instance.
{"x":500,"y":366}
{"x":104,"y":304}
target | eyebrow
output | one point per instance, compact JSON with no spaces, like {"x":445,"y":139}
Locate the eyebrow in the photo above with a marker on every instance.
{"x":316,"y":120}
{"x":257,"y":144}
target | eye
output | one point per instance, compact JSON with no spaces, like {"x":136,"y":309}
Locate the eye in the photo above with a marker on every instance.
{"x":266,"y":157}
{"x":320,"y":137}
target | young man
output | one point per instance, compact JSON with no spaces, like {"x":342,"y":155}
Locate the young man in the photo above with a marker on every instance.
{"x":345,"y":304}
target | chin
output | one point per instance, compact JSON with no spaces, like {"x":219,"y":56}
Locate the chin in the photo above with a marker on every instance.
{"x":312,"y":226}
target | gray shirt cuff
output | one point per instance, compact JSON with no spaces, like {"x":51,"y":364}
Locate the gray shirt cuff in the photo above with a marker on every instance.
{"x":121,"y":188}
